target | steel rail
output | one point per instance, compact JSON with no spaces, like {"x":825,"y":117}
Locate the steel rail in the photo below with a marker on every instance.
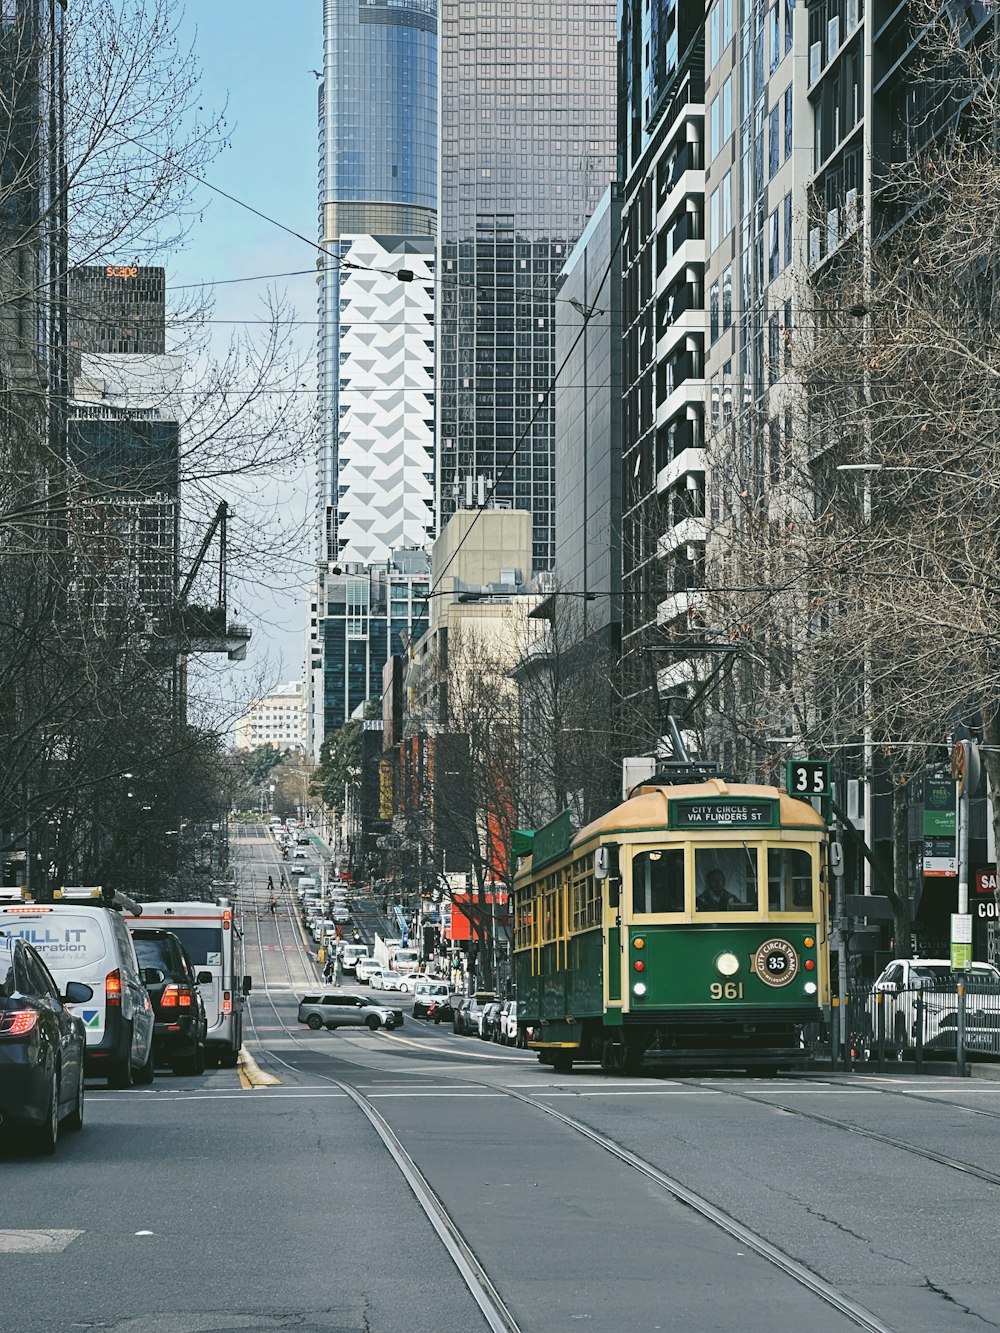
{"x":928,"y":1154}
{"x":858,"y":1315}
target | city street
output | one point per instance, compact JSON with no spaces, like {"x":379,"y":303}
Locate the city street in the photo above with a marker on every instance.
{"x":568,"y":1201}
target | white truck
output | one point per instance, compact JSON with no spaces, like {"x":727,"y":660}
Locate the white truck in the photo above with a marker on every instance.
{"x":394,"y":953}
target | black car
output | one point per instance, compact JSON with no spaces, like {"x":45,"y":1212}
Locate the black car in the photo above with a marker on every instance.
{"x":41,"y":1047}
{"x":180,"y":1027}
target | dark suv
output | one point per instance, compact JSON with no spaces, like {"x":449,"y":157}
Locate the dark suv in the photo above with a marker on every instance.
{"x":180,"y":1027}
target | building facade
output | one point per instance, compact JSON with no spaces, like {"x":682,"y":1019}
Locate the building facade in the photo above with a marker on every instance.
{"x":588,"y":458}
{"x":527,"y":151}
{"x":385,"y":448}
{"x":661,"y":138}
{"x":377,"y":202}
{"x":116,"y":308}
{"x":371,"y":612}
{"x":276,"y":719}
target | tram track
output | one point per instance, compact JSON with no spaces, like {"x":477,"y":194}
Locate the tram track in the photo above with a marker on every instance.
{"x":874,"y":1135}
{"x":464,"y":1257}
{"x":480,"y":1285}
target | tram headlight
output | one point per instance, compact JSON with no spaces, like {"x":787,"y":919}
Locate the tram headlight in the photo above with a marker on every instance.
{"x":727,"y":965}
{"x":639,"y":988}
{"x":810,"y":988}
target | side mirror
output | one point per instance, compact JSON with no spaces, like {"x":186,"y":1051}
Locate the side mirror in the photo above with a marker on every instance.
{"x":78,"y":992}
{"x":204,"y":978}
{"x":247,"y":985}
{"x":152,"y":976}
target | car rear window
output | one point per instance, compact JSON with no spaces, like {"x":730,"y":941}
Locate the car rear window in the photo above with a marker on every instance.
{"x":64,"y":939}
{"x":160,"y":953}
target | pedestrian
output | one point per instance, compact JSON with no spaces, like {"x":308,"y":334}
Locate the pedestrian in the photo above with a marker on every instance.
{"x":273,"y":905}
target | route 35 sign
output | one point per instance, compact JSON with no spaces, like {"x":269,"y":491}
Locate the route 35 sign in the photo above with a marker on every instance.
{"x":807,"y":777}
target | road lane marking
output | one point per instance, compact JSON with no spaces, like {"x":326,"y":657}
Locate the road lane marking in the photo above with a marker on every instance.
{"x":47,"y":1240}
{"x":427,"y":1048}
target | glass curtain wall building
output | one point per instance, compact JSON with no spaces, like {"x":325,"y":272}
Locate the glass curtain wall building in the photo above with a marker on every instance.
{"x":527,"y":151}
{"x":377,"y":201}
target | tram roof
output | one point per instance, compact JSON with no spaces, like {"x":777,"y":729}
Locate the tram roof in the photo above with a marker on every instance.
{"x":648,"y":806}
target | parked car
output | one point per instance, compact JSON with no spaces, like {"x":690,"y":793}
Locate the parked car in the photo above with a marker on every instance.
{"x":410,"y":980}
{"x":507,"y":1033}
{"x":471,"y":1017}
{"x":489,"y":1024}
{"x":429,"y":992}
{"x":333,"y":1011}
{"x":81,"y":941}
{"x":364,"y":968}
{"x":180,"y":1026}
{"x":936,"y":983}
{"x":459,"y":1006}
{"x":42,"y":1047}
{"x":386,"y":979}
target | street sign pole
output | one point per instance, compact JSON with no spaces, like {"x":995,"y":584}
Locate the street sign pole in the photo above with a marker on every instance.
{"x":964,"y":767}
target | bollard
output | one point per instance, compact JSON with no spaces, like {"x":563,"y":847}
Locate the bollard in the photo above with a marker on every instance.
{"x":880,"y":1031}
{"x":960,"y":1034}
{"x":919,"y":1048}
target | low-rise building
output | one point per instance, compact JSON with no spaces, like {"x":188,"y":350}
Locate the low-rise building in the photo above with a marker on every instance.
{"x":277,"y":719}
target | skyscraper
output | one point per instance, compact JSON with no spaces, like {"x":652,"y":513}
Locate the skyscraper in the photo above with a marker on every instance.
{"x":377,"y":200}
{"x":527,"y":151}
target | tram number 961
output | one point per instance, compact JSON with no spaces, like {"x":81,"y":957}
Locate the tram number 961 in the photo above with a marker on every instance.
{"x":726,"y":990}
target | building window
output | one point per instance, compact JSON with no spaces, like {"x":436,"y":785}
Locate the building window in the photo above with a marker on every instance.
{"x":774,"y":37}
{"x":713,"y":308}
{"x":713,"y":221}
{"x":714,"y":36}
{"x":788,"y":229}
{"x":774,"y":143}
{"x":789,"y":11}
{"x":788,"y":122}
{"x":727,"y":204}
{"x":727,"y":298}
{"x":773,"y":247}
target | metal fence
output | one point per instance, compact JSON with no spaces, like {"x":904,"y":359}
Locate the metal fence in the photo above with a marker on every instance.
{"x":951,"y":1021}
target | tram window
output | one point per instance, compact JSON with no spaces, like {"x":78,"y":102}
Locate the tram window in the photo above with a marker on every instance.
{"x":725,"y":879}
{"x":658,"y":881}
{"x":789,"y":879}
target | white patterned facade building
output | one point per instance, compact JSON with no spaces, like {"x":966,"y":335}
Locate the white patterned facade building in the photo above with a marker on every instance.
{"x":385,"y":431}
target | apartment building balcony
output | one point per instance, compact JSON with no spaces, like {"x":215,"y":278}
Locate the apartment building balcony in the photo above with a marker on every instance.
{"x":690,"y":531}
{"x":689,"y":460}
{"x":678,"y":604}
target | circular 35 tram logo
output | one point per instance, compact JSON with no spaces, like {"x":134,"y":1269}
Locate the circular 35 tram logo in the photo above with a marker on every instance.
{"x":776,"y":962}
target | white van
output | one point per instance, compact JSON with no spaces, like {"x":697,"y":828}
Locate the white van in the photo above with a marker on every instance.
{"x":212,"y":935}
{"x":352,"y":952}
{"x":81,"y":941}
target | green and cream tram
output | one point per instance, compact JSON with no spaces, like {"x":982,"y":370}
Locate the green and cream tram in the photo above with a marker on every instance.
{"x":687,"y":927}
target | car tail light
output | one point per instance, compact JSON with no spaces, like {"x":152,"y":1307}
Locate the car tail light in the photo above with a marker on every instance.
{"x":227,"y":1002}
{"x":18,"y":1022}
{"x":113,"y":988}
{"x":175,"y":996}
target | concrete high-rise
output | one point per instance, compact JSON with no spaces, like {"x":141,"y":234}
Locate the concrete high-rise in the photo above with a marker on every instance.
{"x":527,"y":151}
{"x":377,"y":215}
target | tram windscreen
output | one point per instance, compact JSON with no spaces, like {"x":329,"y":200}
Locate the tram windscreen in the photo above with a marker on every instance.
{"x":725,"y":879}
{"x":658,"y":881}
{"x":789,"y":879}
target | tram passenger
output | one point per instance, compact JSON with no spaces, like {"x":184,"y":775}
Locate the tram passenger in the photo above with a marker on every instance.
{"x":715,"y":897}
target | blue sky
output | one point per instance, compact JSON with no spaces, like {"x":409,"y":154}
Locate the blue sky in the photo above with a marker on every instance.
{"x":257,"y":59}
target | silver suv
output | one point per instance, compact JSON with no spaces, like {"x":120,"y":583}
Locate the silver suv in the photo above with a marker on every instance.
{"x":337,"y":1011}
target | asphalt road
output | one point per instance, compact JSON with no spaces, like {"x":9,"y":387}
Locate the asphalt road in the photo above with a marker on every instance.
{"x":199,"y":1205}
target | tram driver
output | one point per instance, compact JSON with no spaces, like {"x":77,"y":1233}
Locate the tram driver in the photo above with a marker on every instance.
{"x":715,"y":897}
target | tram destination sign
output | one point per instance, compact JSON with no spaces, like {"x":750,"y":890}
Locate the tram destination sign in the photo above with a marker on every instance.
{"x":719,"y":812}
